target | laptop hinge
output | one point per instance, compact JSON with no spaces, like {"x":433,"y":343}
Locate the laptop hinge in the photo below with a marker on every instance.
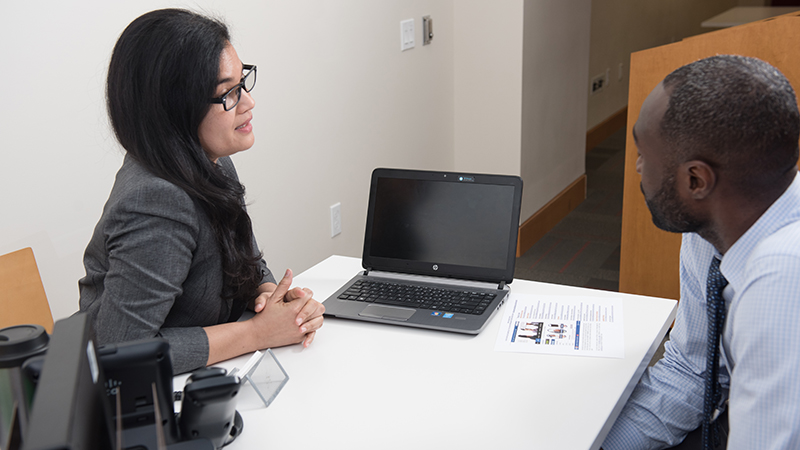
{"x":502,"y":285}
{"x":366,"y":272}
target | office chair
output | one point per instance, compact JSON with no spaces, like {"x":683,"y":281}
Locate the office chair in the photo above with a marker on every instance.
{"x":22,"y":296}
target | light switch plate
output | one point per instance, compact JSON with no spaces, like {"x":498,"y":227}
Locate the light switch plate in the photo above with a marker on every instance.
{"x":406,"y":34}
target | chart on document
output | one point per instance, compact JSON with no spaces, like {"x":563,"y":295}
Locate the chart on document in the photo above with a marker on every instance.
{"x":558,"y":325}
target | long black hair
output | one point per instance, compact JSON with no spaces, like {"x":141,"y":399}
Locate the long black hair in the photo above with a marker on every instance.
{"x":164,"y":68}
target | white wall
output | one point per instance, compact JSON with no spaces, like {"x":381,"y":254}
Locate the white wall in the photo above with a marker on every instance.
{"x":488,"y":83}
{"x":335,"y":98}
{"x":339,"y":99}
{"x":553,"y":139}
{"x":520,"y":97}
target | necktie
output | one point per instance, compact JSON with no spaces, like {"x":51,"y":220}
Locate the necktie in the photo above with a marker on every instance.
{"x":716,"y":319}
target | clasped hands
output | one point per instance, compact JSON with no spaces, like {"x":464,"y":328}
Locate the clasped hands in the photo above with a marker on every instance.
{"x":286,"y":316}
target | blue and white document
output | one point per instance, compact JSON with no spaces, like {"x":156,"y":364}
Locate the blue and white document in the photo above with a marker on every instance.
{"x":558,"y":325}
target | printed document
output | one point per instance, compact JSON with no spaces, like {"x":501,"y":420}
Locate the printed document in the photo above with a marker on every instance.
{"x":558,"y":325}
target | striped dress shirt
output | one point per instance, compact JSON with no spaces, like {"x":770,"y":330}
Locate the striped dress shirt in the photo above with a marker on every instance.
{"x":760,"y":354}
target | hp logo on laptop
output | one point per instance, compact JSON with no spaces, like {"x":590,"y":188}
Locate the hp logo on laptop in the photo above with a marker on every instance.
{"x":435,"y":267}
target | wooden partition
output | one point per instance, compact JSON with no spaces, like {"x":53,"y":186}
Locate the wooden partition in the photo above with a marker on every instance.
{"x":649,"y":256}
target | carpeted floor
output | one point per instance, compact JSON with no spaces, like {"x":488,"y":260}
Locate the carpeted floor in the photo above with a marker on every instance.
{"x":583,"y":249}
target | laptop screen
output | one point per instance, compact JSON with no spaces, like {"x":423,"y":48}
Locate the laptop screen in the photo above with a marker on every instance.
{"x":443,"y":224}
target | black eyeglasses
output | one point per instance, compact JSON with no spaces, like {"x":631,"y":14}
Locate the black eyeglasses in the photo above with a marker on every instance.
{"x":248,"y":83}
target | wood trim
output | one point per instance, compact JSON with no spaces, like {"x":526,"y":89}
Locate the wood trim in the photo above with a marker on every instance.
{"x":606,"y":128}
{"x":550,"y":214}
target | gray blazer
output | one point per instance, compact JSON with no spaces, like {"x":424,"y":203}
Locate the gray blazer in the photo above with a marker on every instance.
{"x":153,"y":267}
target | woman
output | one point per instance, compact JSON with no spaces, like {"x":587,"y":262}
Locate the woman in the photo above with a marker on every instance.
{"x":173,"y":254}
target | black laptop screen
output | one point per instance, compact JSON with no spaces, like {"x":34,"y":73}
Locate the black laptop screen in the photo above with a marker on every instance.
{"x":455,"y":222}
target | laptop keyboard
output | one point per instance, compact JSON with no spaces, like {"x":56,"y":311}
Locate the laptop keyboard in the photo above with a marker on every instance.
{"x":447,"y":300}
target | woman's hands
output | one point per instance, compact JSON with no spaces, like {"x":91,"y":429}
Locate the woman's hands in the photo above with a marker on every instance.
{"x":287,"y":316}
{"x":283,"y":316}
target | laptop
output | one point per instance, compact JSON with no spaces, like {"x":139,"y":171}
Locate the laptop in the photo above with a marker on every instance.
{"x":439,"y":250}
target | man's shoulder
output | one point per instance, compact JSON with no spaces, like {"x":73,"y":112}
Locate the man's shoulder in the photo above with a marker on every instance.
{"x":784,"y":222}
{"x":783,"y":241}
{"x":775,"y":259}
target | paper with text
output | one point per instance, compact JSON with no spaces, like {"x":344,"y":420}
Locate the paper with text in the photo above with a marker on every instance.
{"x":558,"y":325}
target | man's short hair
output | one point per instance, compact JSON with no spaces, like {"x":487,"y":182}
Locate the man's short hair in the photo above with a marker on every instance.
{"x":736,"y":113}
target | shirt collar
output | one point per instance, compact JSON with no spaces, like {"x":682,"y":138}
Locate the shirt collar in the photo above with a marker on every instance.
{"x":734,"y":262}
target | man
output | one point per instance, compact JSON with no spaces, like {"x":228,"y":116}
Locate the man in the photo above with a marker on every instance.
{"x":718,"y":150}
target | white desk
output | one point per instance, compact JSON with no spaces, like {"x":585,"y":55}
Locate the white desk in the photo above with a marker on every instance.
{"x":372,"y":386}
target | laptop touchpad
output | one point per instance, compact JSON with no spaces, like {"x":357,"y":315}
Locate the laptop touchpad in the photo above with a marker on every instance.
{"x":387,"y":312}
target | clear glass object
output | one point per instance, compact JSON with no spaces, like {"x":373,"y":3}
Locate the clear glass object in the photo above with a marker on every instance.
{"x":263,"y":377}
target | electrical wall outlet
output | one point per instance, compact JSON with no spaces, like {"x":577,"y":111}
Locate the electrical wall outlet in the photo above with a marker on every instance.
{"x":336,"y":219}
{"x":598,"y":83}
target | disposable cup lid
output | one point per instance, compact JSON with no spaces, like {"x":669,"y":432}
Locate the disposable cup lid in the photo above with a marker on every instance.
{"x":20,"y":342}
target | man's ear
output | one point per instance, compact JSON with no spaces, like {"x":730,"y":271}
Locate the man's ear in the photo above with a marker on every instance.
{"x":700,"y":179}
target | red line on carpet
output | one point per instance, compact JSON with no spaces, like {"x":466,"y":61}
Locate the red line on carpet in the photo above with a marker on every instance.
{"x":552,"y":247}
{"x":574,"y":257}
